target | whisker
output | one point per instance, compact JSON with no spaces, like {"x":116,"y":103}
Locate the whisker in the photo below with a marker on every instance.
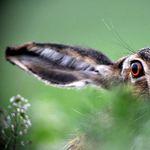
{"x":121,"y":38}
{"x":117,"y":44}
{"x":133,"y":46}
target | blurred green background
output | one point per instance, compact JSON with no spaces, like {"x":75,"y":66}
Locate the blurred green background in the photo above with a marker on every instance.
{"x":71,"y":22}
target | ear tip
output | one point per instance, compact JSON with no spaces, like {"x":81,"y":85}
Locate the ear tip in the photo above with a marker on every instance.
{"x":8,"y":50}
{"x":14,"y":50}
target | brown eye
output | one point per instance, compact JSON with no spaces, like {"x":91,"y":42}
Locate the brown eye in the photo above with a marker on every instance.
{"x":137,"y":69}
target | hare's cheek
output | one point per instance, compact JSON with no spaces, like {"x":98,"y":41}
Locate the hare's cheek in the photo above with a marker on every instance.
{"x":142,"y":86}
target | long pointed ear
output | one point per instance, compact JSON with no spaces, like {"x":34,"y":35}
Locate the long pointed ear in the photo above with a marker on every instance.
{"x":63,"y":65}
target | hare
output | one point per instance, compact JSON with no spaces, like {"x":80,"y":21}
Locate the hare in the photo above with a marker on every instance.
{"x":74,"y":67}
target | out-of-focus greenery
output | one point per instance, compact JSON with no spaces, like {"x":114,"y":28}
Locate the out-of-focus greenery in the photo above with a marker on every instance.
{"x":117,"y":120}
{"x":53,"y":110}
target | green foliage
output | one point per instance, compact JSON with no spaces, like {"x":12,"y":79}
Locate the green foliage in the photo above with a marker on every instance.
{"x":114,"y":121}
{"x":107,"y":120}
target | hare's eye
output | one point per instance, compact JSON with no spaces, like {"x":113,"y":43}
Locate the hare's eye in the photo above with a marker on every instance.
{"x":137,"y":69}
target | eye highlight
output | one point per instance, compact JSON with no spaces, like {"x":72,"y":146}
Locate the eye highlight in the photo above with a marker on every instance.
{"x":137,"y":69}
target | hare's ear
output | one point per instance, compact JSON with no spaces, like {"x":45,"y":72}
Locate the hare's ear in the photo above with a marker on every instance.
{"x":62,"y":65}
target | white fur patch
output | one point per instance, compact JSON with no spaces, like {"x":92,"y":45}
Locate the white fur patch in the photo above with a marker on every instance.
{"x":104,"y":70}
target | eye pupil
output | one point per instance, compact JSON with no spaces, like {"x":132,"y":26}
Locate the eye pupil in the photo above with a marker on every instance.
{"x":134,"y":68}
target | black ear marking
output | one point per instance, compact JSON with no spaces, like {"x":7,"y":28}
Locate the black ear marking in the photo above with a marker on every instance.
{"x":18,"y":50}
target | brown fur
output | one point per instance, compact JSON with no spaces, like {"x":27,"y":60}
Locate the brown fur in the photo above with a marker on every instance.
{"x":141,"y":86}
{"x":86,"y":59}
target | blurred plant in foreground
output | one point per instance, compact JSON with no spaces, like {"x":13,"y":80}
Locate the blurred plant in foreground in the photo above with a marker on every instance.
{"x":14,"y":124}
{"x":115,"y":121}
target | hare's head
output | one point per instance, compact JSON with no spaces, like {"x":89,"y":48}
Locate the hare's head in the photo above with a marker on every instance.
{"x":71,"y":66}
